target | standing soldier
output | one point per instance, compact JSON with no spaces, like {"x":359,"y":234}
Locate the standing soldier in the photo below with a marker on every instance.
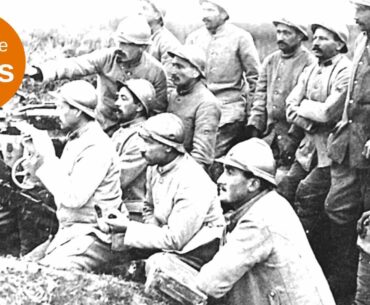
{"x":278,"y":76}
{"x":162,"y":40}
{"x":315,"y":105}
{"x":231,"y":58}
{"x":125,"y":61}
{"x":198,"y":108}
{"x":349,"y":148}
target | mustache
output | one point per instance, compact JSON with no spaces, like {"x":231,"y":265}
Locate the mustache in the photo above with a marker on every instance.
{"x":316,"y":48}
{"x":281,"y":42}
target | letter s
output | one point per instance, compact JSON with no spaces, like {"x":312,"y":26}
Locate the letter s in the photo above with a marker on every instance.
{"x":3,"y":71}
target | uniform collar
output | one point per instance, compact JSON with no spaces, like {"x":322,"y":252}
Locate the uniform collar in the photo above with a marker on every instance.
{"x":233,"y":217}
{"x":187,"y":90}
{"x":162,"y":170}
{"x":78,"y":132}
{"x":218,"y":30}
{"x":330,"y":61}
{"x":292,"y":54}
{"x":128,"y":65}
{"x":133,"y":123}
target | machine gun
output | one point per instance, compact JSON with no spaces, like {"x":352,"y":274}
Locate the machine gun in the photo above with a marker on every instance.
{"x":41,"y":115}
{"x":32,"y":204}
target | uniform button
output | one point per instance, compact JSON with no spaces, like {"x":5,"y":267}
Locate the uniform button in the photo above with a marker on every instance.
{"x":279,"y":137}
{"x":272,"y":293}
{"x":355,"y":82}
{"x":351,"y":101}
{"x":360,"y":63}
{"x":350,"y":121}
{"x":129,"y":73}
{"x":274,"y":107}
{"x":278,"y":78}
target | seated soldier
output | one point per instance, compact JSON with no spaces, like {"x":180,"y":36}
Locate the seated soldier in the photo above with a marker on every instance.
{"x":87,"y":174}
{"x":134,"y":101}
{"x":182,"y":213}
{"x":266,"y":258}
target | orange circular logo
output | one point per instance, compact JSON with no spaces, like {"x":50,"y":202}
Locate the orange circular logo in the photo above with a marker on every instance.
{"x":12,"y":62}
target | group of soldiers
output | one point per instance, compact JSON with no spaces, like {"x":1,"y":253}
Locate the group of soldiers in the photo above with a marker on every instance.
{"x":136,"y":179}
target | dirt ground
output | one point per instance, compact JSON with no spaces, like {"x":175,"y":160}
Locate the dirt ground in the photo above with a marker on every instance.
{"x":30,"y":284}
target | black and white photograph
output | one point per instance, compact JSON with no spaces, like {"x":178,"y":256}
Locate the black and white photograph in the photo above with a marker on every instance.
{"x":196,"y":152}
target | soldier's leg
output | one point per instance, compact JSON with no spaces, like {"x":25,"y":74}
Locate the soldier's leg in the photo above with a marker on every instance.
{"x":85,"y":252}
{"x":227,"y":137}
{"x":287,"y":186}
{"x":343,"y":206}
{"x":309,"y":204}
{"x":363,"y":280}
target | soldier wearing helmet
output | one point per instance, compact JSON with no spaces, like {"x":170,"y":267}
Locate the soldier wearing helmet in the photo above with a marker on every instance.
{"x":182,"y":213}
{"x":316,"y":104}
{"x":198,"y":108}
{"x":127,"y":60}
{"x":266,"y":258}
{"x":278,"y":76}
{"x":135,"y":100}
{"x":87,"y":174}
{"x":162,"y":40}
{"x":349,"y":149}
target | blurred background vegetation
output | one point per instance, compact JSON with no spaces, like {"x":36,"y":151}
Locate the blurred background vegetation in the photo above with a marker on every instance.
{"x":41,"y":45}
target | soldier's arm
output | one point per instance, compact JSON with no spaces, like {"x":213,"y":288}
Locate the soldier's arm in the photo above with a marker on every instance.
{"x":205,"y":132}
{"x":294,"y":100}
{"x":250,"y":61}
{"x":248,"y":245}
{"x":258,"y":114}
{"x":332,"y":109}
{"x":76,"y":66}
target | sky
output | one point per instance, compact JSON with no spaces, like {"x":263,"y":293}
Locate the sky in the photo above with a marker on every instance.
{"x":80,"y":14}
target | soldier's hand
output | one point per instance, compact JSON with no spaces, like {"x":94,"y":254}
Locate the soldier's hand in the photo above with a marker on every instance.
{"x":249,"y":132}
{"x":33,"y":72}
{"x":116,"y":220}
{"x":40,"y":143}
{"x":366,"y":151}
{"x":362,"y":223}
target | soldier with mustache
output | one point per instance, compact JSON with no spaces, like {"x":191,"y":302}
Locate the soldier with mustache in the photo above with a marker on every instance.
{"x":231,"y":58}
{"x":315,"y":105}
{"x":278,"y":76}
{"x":127,"y":60}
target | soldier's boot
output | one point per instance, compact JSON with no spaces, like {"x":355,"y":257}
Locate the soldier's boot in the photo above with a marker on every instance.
{"x":309,"y":205}
{"x":343,"y":259}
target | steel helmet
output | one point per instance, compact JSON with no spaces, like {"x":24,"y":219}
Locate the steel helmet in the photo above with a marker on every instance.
{"x":166,"y":128}
{"x":300,"y":28}
{"x":158,"y":6}
{"x":144,"y":92}
{"x":192,"y":54}
{"x":79,"y":94}
{"x":340,"y":30}
{"x":134,"y":29}
{"x":253,"y":155}
{"x":221,"y":4}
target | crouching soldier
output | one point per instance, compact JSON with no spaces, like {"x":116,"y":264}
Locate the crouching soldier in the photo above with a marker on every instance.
{"x":87,"y":174}
{"x":182,"y":213}
{"x":134,"y":100}
{"x":267,"y":258}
